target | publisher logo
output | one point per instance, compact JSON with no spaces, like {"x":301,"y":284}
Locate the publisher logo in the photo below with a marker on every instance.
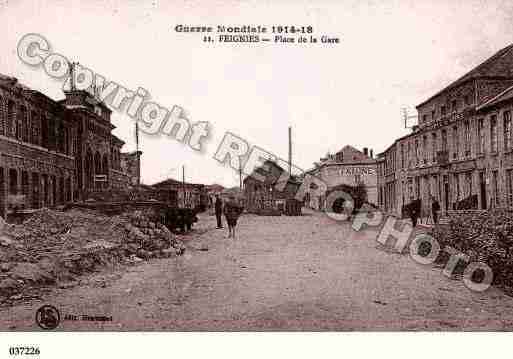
{"x":48,"y":317}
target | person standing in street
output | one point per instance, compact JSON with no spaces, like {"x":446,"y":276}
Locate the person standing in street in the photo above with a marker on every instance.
{"x":414,"y":211}
{"x":435,"y":207}
{"x":219,"y":210}
{"x":232,"y":211}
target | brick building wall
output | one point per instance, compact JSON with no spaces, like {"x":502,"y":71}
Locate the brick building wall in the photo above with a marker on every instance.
{"x":50,"y":151}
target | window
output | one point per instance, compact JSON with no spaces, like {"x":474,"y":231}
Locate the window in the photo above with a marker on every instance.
{"x":51,"y":134}
{"x":509,"y":181}
{"x":409,"y":155}
{"x":493,"y":133}
{"x":434,"y":146}
{"x":444,"y":140}
{"x":468,"y":140}
{"x":24,"y":124}
{"x":457,"y":185}
{"x":35,"y":127}
{"x":44,"y":131}
{"x":2,"y":117}
{"x":436,"y":188}
{"x":20,"y":123}
{"x":454,"y":105}
{"x":456,"y":141}
{"x":417,"y":150}
{"x":433,"y":113}
{"x":468,"y":183}
{"x":466,"y":99}
{"x":480,"y":137}
{"x":13,"y":181}
{"x":507,"y":131}
{"x":11,"y":120}
{"x":424,"y":118}
{"x":495,"y":188}
{"x":443,"y":110}
{"x":403,"y":159}
{"x":425,"y":149}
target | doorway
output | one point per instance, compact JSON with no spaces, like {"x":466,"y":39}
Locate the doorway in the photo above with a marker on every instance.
{"x":447,"y":191}
{"x":482,"y":190}
{"x":2,"y":193}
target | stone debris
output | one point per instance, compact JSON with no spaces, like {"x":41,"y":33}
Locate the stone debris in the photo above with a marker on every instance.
{"x":54,"y":247}
{"x":484,"y":236}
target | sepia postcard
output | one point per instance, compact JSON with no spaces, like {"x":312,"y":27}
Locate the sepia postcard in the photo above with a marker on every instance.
{"x":254,"y":166}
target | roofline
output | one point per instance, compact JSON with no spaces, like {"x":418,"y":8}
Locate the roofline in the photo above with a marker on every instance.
{"x":30,"y":94}
{"x":177,"y":182}
{"x":116,"y":138}
{"x":369,"y":162}
{"x":452,"y":85}
{"x":484,"y":105}
{"x":472,"y":77}
{"x":98,"y":102}
{"x":358,"y":163}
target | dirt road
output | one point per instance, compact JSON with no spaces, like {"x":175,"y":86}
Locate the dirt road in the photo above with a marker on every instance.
{"x":281,"y":273}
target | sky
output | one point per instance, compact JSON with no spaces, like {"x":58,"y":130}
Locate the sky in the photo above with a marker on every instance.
{"x":392,"y":54}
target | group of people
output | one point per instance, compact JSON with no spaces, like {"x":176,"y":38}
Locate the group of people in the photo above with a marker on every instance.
{"x":414,"y":211}
{"x":231,"y":210}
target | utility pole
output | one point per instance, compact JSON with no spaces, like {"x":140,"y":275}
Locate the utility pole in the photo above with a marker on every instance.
{"x":72,"y":76}
{"x":137,"y":152}
{"x":290,"y":150}
{"x":407,"y":117}
{"x":183,"y":184}
{"x":240,"y":174}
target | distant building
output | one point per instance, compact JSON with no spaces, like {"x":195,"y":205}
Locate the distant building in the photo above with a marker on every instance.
{"x":266,"y":191}
{"x":52,"y":152}
{"x":348,"y":166}
{"x":461,"y":149}
{"x":232,"y":192}
{"x":213,"y":189}
{"x":179,"y":194}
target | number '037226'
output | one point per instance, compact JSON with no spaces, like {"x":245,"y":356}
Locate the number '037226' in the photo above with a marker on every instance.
{"x":20,"y":351}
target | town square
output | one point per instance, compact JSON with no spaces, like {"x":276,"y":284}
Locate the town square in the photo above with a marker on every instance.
{"x":335,"y":170}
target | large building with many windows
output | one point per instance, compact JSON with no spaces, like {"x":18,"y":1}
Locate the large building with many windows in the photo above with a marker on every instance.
{"x":53,"y":152}
{"x":461,"y":149}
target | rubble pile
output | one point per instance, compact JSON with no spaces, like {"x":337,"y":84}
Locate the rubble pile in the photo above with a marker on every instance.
{"x":146,"y":238}
{"x":485,"y":236}
{"x":56,"y":247}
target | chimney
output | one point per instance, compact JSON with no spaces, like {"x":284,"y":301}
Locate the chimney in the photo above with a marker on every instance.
{"x":365,"y":151}
{"x":371,"y":155}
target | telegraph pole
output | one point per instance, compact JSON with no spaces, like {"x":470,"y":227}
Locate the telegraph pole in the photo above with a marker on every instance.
{"x":290,"y":150}
{"x":183,"y":184}
{"x":137,"y":151}
{"x":72,"y":76}
{"x":240,"y":174}
{"x":407,"y":117}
